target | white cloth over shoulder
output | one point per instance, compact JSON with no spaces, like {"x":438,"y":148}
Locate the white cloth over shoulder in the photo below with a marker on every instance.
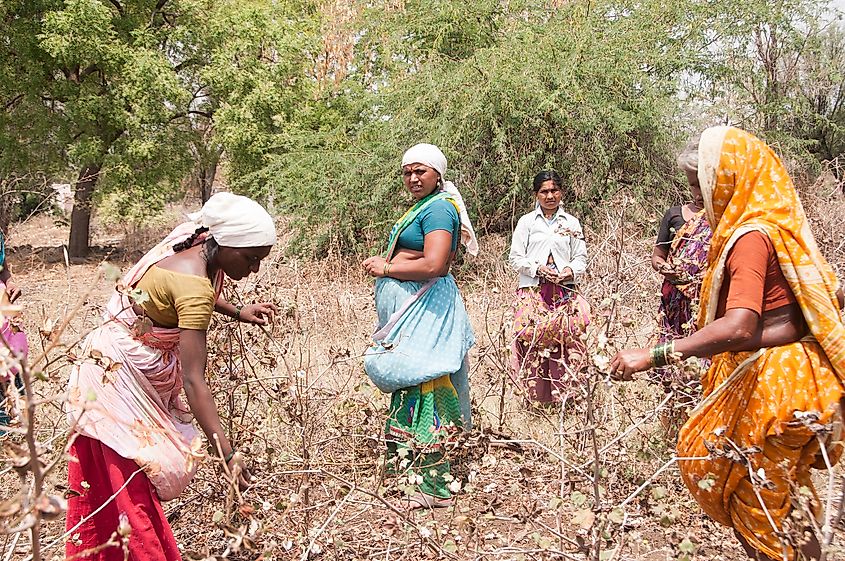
{"x":236,"y":221}
{"x":431,"y":156}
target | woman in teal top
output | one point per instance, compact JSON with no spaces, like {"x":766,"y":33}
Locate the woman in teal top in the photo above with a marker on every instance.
{"x":438,"y":215}
{"x":424,"y":333}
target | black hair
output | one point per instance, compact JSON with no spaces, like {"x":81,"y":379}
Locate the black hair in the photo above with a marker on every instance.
{"x":189,"y":243}
{"x":547,"y":175}
{"x":210,"y":247}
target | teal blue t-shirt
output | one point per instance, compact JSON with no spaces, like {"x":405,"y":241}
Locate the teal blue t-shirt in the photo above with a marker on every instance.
{"x":2,"y":250}
{"x":439,"y":215}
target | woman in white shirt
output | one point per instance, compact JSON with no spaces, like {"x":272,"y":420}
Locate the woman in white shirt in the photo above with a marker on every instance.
{"x":550,"y":255}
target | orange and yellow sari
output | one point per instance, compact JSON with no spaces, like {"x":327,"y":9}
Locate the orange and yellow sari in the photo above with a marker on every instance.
{"x":754,"y":436}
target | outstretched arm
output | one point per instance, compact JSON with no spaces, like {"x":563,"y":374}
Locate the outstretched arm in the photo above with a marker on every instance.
{"x":193,"y":353}
{"x":739,"y":329}
{"x":259,"y":314}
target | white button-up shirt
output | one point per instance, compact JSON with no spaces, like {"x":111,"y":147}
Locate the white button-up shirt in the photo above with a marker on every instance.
{"x":535,"y":238}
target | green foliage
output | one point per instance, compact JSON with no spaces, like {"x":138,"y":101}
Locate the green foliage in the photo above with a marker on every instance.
{"x":527,"y":89}
{"x":107,"y":91}
{"x":30,"y":141}
{"x":131,"y":87}
{"x":311,"y":104}
{"x":256,"y":76}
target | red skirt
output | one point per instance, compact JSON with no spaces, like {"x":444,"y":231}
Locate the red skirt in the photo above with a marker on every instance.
{"x":105,"y":472}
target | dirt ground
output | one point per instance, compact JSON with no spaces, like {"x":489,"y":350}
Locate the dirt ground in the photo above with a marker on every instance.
{"x":594,"y":480}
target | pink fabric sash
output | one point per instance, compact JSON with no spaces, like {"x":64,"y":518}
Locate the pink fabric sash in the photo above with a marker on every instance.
{"x":14,"y":339}
{"x":125,"y":389}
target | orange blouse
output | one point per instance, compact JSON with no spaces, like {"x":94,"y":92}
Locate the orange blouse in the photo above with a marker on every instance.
{"x":754,"y":280}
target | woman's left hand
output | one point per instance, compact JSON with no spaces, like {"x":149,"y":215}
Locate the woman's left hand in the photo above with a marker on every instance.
{"x":374,"y":266}
{"x":12,"y":290}
{"x":258,"y":314}
{"x":566,"y":275}
{"x":629,"y":361}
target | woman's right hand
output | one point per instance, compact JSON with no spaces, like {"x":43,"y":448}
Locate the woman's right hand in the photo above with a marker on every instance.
{"x":628,"y":362}
{"x":258,"y":314}
{"x":669,"y":272}
{"x":546,"y":272}
{"x":238,"y":468}
{"x":375,"y":266}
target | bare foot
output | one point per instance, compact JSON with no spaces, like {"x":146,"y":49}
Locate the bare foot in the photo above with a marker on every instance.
{"x":421,"y":500}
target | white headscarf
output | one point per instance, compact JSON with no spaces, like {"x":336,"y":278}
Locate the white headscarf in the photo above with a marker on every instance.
{"x":236,"y":221}
{"x":431,"y":156}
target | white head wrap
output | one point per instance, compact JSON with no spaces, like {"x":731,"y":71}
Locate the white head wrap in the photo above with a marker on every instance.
{"x":236,"y":221}
{"x":431,"y":156}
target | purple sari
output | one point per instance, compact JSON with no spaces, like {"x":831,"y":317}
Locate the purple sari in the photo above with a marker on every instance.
{"x":679,"y":299}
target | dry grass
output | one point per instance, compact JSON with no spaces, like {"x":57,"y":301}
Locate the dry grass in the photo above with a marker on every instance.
{"x":297,"y":401}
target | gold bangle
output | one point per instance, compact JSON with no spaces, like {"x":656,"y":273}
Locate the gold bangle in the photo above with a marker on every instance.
{"x":386,"y":268}
{"x":658,"y":355}
{"x":654,"y":352}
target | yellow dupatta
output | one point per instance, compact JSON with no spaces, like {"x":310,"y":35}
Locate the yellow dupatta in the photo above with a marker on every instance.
{"x":750,"y":398}
{"x":746,"y":187}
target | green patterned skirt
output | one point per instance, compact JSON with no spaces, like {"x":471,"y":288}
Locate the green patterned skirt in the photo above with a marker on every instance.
{"x":421,"y":420}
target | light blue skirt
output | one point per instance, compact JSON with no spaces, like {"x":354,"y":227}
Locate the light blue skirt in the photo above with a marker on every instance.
{"x":430,"y":339}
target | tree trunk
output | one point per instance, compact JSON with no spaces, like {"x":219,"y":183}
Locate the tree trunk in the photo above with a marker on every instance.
{"x":206,"y":180}
{"x":208,"y":172}
{"x":80,"y":218}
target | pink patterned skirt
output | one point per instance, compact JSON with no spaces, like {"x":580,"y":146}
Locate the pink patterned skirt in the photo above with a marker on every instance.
{"x":10,"y":382}
{"x":548,"y":323}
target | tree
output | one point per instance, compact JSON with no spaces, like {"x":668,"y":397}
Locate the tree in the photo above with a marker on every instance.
{"x":137,"y":92}
{"x":506,"y":89}
{"x":259,"y":73}
{"x":31,"y":146}
{"x":776,"y":69}
{"x":111,"y":82}
{"x":821,"y":87}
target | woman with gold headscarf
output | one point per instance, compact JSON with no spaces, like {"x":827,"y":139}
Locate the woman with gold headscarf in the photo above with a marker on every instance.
{"x":771,"y":319}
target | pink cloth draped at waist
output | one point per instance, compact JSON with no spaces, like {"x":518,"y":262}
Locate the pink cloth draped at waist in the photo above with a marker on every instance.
{"x":127,"y":395}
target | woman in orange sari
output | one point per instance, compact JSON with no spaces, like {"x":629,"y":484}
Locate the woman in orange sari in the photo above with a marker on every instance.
{"x":770,"y":318}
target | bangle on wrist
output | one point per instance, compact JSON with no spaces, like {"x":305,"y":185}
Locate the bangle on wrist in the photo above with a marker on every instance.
{"x":228,"y":457}
{"x":662,"y":354}
{"x":653,"y":356}
{"x":386,"y":269}
{"x":670,"y":353}
{"x":658,"y":355}
{"x":238,"y":309}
